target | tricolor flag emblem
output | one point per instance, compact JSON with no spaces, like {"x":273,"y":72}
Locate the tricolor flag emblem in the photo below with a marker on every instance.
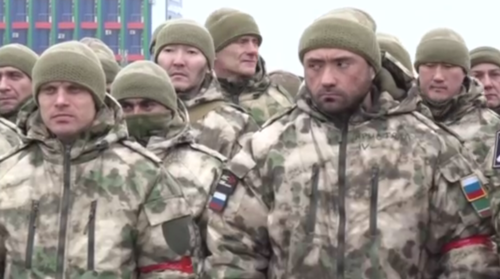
{"x":476,"y":194}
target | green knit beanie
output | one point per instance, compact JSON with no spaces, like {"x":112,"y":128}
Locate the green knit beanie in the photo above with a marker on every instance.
{"x":106,"y":57}
{"x":227,"y":25}
{"x":74,"y":62}
{"x":145,"y":79}
{"x":152,"y":44}
{"x":186,"y":32}
{"x":442,"y":45}
{"x":355,"y":14}
{"x":19,"y":57}
{"x":341,"y":30}
{"x":484,"y":54}
{"x":393,"y":45}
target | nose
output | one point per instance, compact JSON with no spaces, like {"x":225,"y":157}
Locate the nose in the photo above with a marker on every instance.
{"x":438,"y":74}
{"x":61,"y":98}
{"x":178,"y":59}
{"x":252,"y":49}
{"x":137,"y":109}
{"x":4,"y":86}
{"x":328,"y":78}
{"x":486,"y":81}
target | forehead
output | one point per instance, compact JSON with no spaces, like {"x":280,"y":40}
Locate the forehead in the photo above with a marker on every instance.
{"x":8,"y":69}
{"x":326,"y":54}
{"x":485,"y":67}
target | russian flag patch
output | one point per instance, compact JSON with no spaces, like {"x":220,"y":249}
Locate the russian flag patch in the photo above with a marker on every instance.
{"x":476,"y":195}
{"x":225,"y":188}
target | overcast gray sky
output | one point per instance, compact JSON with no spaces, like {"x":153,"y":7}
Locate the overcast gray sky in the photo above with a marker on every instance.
{"x":282,"y":22}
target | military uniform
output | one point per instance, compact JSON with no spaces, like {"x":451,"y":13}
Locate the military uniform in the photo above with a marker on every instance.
{"x":219,"y":124}
{"x":377,"y":193}
{"x":99,"y":207}
{"x":258,"y":95}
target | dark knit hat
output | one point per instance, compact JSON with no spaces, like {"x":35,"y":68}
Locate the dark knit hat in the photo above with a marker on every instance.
{"x":19,"y":57}
{"x":186,"y":32}
{"x":442,"y":45}
{"x":106,"y":57}
{"x":393,"y":45}
{"x":71,"y":62}
{"x":145,"y":79}
{"x":344,"y":31}
{"x":152,"y":44}
{"x":484,"y":54}
{"x":227,"y":25}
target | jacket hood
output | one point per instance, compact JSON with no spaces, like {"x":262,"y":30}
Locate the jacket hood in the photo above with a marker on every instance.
{"x":384,"y":105}
{"x":210,"y":91}
{"x":471,"y":97}
{"x":108,"y":127}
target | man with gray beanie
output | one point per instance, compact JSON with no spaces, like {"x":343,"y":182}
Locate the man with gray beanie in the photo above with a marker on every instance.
{"x":455,"y":99}
{"x":155,"y":120}
{"x":16,"y":65}
{"x":237,"y":39}
{"x":342,"y":184}
{"x":485,"y":66}
{"x":87,"y":200}
{"x":185,"y":50}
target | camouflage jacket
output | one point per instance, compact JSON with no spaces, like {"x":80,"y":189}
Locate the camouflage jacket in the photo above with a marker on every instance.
{"x":224,"y":127}
{"x":377,"y":196}
{"x":258,"y":95}
{"x":468,"y":116}
{"x":10,"y":136}
{"x":100,"y":208}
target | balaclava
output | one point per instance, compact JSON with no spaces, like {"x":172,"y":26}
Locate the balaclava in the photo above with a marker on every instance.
{"x":145,"y":79}
{"x":71,"y":61}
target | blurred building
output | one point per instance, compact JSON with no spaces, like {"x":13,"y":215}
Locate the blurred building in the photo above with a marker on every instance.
{"x":124,"y":25}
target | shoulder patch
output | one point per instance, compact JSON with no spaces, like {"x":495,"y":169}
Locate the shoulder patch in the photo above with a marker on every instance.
{"x":476,"y":195}
{"x":223,"y":190}
{"x":278,"y":116}
{"x":209,"y":151}
{"x":134,"y":146}
{"x":496,"y":153}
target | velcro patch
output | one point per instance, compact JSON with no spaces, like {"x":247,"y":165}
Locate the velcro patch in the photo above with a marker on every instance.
{"x":496,"y":154}
{"x":476,"y":195}
{"x":225,"y":188}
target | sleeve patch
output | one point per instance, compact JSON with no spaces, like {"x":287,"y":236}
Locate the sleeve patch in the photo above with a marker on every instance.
{"x":225,"y":188}
{"x":496,"y":155}
{"x":476,"y":195}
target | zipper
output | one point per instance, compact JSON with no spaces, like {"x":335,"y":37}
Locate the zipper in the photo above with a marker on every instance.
{"x":63,"y":221}
{"x":374,"y":237}
{"x":91,"y":236}
{"x":341,"y":202}
{"x":31,"y":234}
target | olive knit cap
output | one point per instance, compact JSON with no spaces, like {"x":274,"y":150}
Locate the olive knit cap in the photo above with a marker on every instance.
{"x":393,"y":46}
{"x":145,"y":79}
{"x":227,"y":25}
{"x":356,"y":15}
{"x":19,"y":57}
{"x":106,"y":57}
{"x":152,"y":44}
{"x":442,"y":45}
{"x":73,"y":62}
{"x":186,"y":32}
{"x":484,"y":54}
{"x":344,"y":31}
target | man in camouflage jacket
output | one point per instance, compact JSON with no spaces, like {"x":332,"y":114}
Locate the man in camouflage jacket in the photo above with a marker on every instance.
{"x":349,"y":183}
{"x":77,"y":200}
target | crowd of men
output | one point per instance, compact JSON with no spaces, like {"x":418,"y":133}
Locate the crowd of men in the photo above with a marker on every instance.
{"x":200,"y":164}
